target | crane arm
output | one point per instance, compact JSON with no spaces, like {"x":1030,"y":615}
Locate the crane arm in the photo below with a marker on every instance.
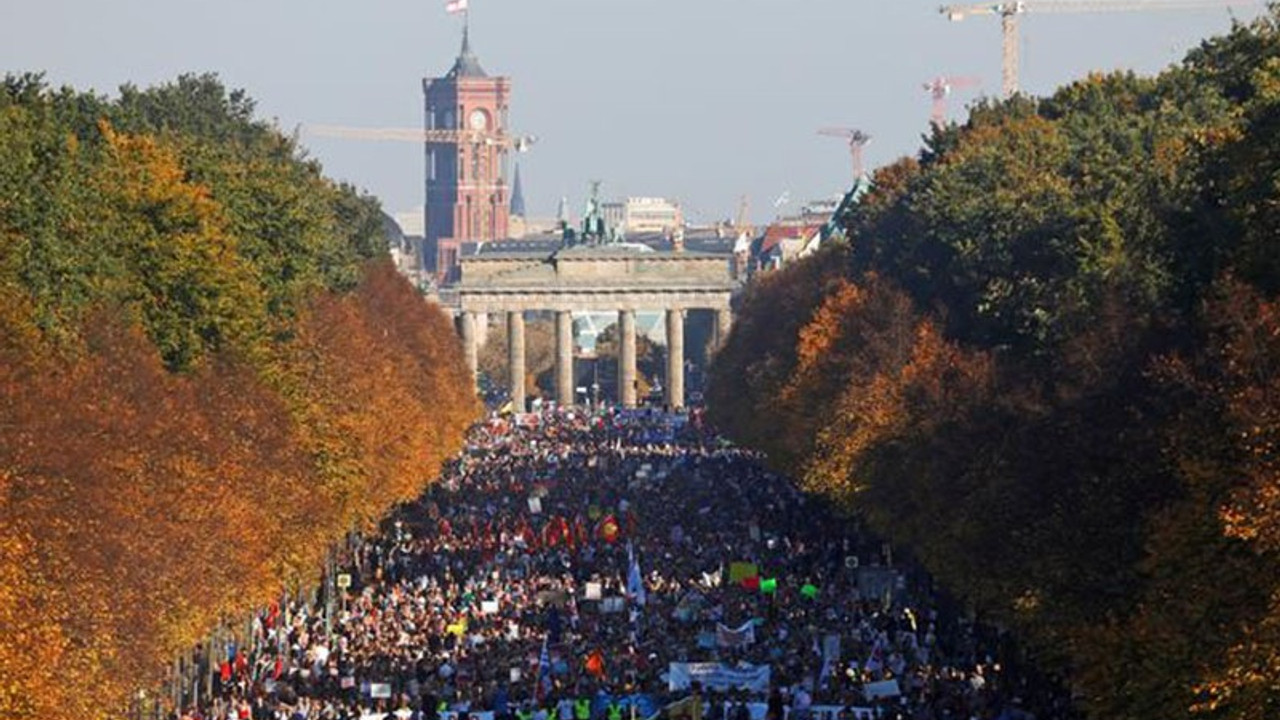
{"x":960,"y":12}
{"x":1133,"y":5}
{"x":417,"y":135}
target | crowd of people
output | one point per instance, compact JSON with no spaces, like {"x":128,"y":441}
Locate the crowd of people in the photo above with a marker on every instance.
{"x":610,"y":566}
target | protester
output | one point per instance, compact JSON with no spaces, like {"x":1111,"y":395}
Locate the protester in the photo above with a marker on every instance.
{"x":565,"y":561}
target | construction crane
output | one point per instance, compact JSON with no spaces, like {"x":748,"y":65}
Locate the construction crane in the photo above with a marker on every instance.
{"x":742,"y":223}
{"x":940,"y":89}
{"x":856,"y":140}
{"x":1009,"y":13}
{"x":518,"y":143}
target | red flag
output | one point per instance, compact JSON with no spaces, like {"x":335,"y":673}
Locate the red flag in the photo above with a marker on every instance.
{"x":595,"y":663}
{"x":751,"y":582}
{"x":609,"y":528}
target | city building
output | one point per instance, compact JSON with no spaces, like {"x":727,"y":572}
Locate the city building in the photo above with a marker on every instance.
{"x":651,"y":214}
{"x":641,"y":215}
{"x":786,"y":237}
{"x":466,"y":189}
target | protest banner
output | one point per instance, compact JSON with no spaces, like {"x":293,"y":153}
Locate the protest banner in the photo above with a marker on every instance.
{"x":882,"y":689}
{"x":715,"y":676}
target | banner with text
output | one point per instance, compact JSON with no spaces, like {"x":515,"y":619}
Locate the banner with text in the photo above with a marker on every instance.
{"x":714,"y":676}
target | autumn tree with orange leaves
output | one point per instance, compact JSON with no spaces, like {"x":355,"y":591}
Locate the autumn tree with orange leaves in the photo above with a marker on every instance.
{"x":209,"y":374}
{"x":1046,"y":365}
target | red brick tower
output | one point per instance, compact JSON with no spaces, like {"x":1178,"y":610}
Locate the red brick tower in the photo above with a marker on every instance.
{"x":467,"y":196}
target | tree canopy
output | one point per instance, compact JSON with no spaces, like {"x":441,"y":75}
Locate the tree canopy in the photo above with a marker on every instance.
{"x":1045,"y":362}
{"x":209,"y":373}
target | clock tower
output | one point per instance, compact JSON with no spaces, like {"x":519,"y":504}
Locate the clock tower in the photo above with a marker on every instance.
{"x":467,"y":195}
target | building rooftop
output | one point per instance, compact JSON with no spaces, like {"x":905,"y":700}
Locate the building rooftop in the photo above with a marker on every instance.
{"x":467,"y":65}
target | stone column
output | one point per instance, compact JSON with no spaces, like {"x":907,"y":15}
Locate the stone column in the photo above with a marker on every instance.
{"x":470,"y":348}
{"x":627,"y":358}
{"x":482,"y":329}
{"x":515,"y":358}
{"x":675,"y":358}
{"x":724,"y":321}
{"x":564,"y":358}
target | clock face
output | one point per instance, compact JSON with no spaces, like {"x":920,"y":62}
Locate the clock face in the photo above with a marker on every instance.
{"x":479,"y":121}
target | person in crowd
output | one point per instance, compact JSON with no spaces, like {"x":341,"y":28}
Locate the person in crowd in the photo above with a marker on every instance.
{"x":565,"y":560}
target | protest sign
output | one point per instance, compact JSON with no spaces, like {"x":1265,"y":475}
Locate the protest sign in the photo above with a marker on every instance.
{"x":739,"y":571}
{"x":882,"y":689}
{"x":715,"y":676}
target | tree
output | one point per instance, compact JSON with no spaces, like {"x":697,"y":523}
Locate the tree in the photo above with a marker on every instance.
{"x":539,"y":358}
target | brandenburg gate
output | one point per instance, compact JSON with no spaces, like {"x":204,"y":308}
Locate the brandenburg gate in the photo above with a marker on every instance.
{"x":607,"y":278}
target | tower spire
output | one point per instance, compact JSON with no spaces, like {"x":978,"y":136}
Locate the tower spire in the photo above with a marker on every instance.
{"x":517,"y":195}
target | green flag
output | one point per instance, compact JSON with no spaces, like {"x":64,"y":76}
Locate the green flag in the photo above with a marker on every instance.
{"x":769,"y":586}
{"x":809,"y":590}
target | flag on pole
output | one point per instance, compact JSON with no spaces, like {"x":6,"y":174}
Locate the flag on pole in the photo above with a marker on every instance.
{"x":543,"y":689}
{"x":595,"y":663}
{"x":635,"y":582}
{"x":609,"y":529}
{"x":454,"y":7}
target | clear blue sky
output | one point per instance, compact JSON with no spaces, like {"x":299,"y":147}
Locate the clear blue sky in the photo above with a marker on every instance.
{"x":701,"y":100}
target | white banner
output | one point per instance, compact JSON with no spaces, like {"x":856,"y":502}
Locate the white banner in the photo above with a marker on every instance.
{"x":714,"y":676}
{"x":884,"y":688}
{"x":757,"y":711}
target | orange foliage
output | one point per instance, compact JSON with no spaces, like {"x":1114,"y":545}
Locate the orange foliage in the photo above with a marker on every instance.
{"x":139,"y":507}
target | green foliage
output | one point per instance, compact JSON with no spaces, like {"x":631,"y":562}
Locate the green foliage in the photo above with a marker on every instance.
{"x":200,"y":331}
{"x":82,"y":222}
{"x":1071,"y":420}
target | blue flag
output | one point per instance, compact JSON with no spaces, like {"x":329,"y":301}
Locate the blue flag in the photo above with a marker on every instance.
{"x":635,"y":582}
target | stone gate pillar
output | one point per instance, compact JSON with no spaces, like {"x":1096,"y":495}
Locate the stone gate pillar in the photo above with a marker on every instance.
{"x":675,"y":358}
{"x":470,"y":346}
{"x":515,"y":358}
{"x":724,"y":321}
{"x":627,"y":358}
{"x":564,"y":358}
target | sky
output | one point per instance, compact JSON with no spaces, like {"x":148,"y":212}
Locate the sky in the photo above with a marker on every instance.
{"x":703,"y":101}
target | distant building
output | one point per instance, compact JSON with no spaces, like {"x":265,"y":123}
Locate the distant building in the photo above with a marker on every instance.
{"x":405,"y":250}
{"x":466,"y":191}
{"x":650,"y":214}
{"x":786,"y":238}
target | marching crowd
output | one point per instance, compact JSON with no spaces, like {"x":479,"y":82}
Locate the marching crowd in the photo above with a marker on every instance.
{"x":603,"y":566}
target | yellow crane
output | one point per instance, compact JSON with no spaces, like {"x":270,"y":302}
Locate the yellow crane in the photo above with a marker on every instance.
{"x":1010,"y":11}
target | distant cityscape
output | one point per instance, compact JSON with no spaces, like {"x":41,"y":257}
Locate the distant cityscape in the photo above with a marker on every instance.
{"x":473,"y":204}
